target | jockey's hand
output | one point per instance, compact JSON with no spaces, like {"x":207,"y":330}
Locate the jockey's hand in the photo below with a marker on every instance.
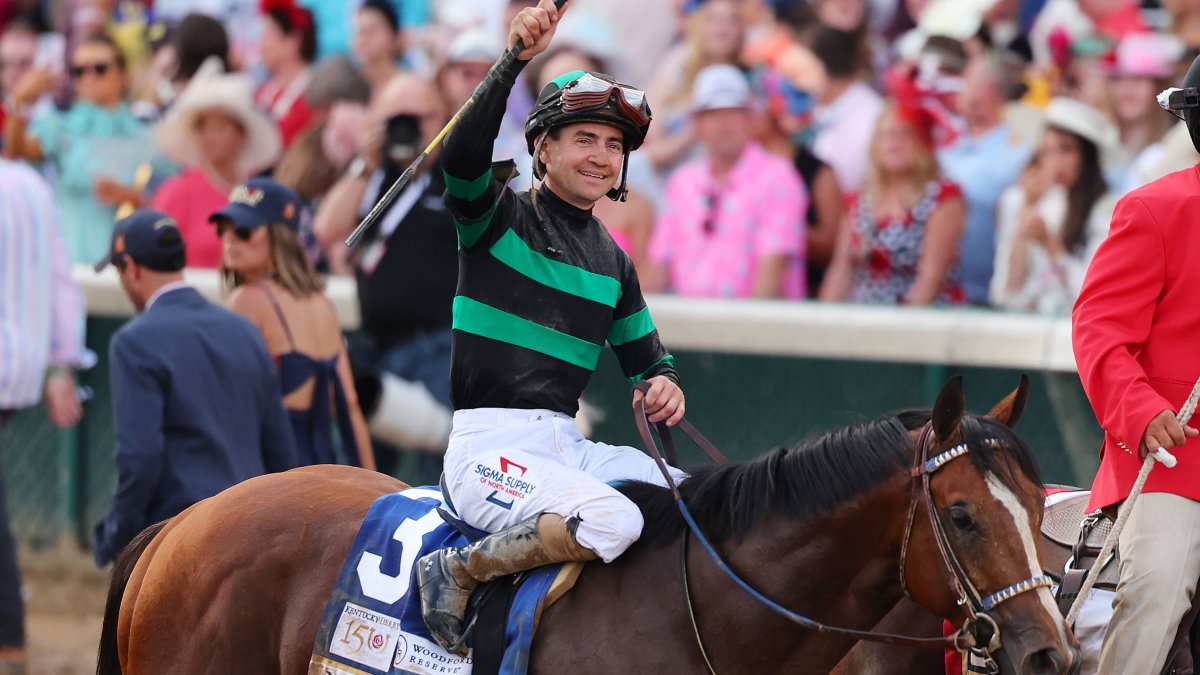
{"x":1164,"y":431}
{"x":664,"y":401}
{"x":534,"y":26}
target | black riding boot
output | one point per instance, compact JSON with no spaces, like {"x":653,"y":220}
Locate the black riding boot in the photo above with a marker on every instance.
{"x":448,"y":576}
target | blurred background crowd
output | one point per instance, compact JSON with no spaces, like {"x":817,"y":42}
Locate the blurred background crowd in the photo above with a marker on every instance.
{"x":946,"y":152}
{"x":876,"y":151}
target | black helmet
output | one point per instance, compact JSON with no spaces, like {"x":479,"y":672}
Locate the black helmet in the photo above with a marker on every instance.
{"x":1191,"y":104}
{"x":612,"y":108}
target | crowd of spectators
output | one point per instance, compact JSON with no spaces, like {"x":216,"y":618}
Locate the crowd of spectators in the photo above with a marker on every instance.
{"x":873,"y":151}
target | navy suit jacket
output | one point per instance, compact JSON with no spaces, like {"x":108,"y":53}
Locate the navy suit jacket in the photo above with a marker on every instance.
{"x":196,"y":409}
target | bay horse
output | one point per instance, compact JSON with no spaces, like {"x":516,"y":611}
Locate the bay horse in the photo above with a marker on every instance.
{"x":834,"y":529}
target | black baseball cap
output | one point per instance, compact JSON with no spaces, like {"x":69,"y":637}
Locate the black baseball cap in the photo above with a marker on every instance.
{"x":151,"y":238}
{"x":261,"y":201}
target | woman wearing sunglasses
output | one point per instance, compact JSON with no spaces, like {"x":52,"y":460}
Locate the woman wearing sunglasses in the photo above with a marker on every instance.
{"x":96,"y":146}
{"x":541,"y":287}
{"x":273,"y":284}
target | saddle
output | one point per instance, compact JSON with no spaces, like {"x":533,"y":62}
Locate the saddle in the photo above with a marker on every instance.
{"x":1071,"y":542}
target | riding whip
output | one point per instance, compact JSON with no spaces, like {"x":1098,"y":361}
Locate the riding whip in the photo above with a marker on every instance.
{"x":506,"y":59}
{"x":1160,"y":455}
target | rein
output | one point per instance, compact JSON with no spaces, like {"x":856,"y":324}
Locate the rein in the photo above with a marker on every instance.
{"x":967,"y":638}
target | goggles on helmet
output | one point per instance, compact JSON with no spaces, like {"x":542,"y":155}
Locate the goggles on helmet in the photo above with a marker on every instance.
{"x":588,"y":92}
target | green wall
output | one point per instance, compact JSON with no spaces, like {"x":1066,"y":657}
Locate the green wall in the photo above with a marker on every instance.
{"x":60,"y":483}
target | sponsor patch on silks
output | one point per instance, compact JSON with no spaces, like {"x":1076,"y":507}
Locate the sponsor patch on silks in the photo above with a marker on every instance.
{"x":372,"y":623}
{"x":508,"y":481}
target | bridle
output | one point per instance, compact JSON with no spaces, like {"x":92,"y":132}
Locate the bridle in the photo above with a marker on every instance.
{"x":979,"y":634}
{"x":981,"y":630}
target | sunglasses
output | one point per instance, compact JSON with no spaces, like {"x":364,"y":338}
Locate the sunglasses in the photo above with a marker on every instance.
{"x":588,"y":92}
{"x":98,"y":68}
{"x":242,"y":233}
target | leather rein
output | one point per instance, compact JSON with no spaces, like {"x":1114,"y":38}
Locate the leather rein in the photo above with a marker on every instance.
{"x":979,"y":634}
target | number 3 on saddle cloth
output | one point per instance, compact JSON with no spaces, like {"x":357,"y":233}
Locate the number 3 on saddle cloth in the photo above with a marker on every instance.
{"x":372,"y":623}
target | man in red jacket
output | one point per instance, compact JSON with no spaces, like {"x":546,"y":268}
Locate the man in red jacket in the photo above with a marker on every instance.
{"x":1136,"y":334}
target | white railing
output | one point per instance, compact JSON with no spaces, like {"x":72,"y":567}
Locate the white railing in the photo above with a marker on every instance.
{"x":967,"y":337}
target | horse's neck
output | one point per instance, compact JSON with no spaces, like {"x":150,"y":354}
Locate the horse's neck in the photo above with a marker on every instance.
{"x":841,"y":569}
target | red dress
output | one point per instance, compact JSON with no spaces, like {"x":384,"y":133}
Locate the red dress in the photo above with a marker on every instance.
{"x":190,"y":198}
{"x":287,"y":106}
{"x":886,"y":253}
{"x":1136,"y":332}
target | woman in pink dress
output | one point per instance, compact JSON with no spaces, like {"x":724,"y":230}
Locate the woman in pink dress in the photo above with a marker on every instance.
{"x":217,"y":133}
{"x":899,"y":244}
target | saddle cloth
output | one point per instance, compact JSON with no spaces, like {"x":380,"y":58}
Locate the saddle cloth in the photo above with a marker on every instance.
{"x":372,"y":622}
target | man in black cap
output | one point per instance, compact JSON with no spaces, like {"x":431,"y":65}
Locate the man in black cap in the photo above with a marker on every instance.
{"x":195,"y":395}
{"x":1134,"y":330}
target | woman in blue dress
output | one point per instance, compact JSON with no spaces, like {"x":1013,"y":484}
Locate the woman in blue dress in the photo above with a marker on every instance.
{"x":273,"y":284}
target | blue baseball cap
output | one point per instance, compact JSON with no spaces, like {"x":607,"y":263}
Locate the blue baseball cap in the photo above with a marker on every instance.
{"x":261,"y":201}
{"x":151,"y":238}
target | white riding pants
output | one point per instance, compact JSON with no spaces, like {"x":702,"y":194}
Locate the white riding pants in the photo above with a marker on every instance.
{"x":506,"y":465}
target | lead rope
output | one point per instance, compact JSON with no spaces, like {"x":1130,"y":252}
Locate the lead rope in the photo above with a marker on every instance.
{"x":1161,"y":455}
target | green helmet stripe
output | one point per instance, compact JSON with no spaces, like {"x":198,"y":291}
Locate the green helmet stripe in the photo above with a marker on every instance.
{"x":567,"y":78}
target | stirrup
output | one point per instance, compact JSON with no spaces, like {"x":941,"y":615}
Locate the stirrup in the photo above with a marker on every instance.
{"x":459,"y":646}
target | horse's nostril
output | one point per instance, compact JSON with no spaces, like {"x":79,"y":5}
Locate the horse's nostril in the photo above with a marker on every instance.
{"x":1045,"y":662}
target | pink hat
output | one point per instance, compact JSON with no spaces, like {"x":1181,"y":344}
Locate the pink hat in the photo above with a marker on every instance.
{"x":1147,"y":55}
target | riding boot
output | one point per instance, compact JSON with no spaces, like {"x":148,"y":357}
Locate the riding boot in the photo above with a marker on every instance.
{"x":448,"y":576}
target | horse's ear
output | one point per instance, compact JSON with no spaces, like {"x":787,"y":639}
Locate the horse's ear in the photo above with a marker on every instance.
{"x":1009,"y":409}
{"x":948,"y":409}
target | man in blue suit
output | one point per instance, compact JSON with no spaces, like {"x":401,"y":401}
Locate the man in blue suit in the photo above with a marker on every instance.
{"x":196,"y":403}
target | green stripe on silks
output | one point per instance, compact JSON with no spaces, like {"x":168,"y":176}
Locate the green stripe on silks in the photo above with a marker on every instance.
{"x":472,"y":316}
{"x":635,"y":326}
{"x":468,"y":190}
{"x":469,"y":233}
{"x":668,"y":359}
{"x":511,"y":250}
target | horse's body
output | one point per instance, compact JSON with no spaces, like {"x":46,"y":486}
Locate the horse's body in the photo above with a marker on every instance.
{"x":238,"y":582}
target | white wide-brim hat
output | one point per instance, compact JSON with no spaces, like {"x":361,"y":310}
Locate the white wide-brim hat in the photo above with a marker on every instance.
{"x":231,"y":94}
{"x":1083,"y":120}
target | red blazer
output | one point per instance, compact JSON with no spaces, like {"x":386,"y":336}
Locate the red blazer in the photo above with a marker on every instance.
{"x":1136,"y":331}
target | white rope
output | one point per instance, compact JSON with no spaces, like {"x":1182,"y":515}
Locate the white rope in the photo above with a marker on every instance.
{"x":1160,"y":455}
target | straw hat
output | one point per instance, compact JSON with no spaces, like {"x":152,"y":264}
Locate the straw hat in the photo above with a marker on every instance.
{"x":228,"y":93}
{"x":1083,"y":120}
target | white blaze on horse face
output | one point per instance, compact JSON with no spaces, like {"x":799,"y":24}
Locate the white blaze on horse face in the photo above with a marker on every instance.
{"x":1020,"y":518}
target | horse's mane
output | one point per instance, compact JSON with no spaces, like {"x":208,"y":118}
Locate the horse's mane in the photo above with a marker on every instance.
{"x":816,"y":476}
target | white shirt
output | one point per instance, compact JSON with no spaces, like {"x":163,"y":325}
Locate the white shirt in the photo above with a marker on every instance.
{"x":163,"y":290}
{"x":844,"y":131}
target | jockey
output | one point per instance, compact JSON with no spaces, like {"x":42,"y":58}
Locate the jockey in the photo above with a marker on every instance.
{"x":541,"y":287}
{"x":1134,"y":331}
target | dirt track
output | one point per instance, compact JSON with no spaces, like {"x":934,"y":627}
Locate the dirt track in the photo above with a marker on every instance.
{"x":64,"y":605}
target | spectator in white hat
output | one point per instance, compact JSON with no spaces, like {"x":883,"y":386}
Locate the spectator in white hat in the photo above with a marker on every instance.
{"x":468,"y":60}
{"x":217,"y":133}
{"x":733,"y":221}
{"x":1049,"y":224}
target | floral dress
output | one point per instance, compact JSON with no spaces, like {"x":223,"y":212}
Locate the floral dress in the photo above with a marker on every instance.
{"x":886,"y":253}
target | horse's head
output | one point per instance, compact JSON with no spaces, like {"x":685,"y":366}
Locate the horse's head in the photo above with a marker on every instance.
{"x":976,"y":559}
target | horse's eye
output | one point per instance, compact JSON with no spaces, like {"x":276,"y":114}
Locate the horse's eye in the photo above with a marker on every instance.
{"x":960,"y":515}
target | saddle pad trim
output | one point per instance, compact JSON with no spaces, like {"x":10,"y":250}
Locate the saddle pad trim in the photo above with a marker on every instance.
{"x":319,"y":665}
{"x":563,"y":582}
